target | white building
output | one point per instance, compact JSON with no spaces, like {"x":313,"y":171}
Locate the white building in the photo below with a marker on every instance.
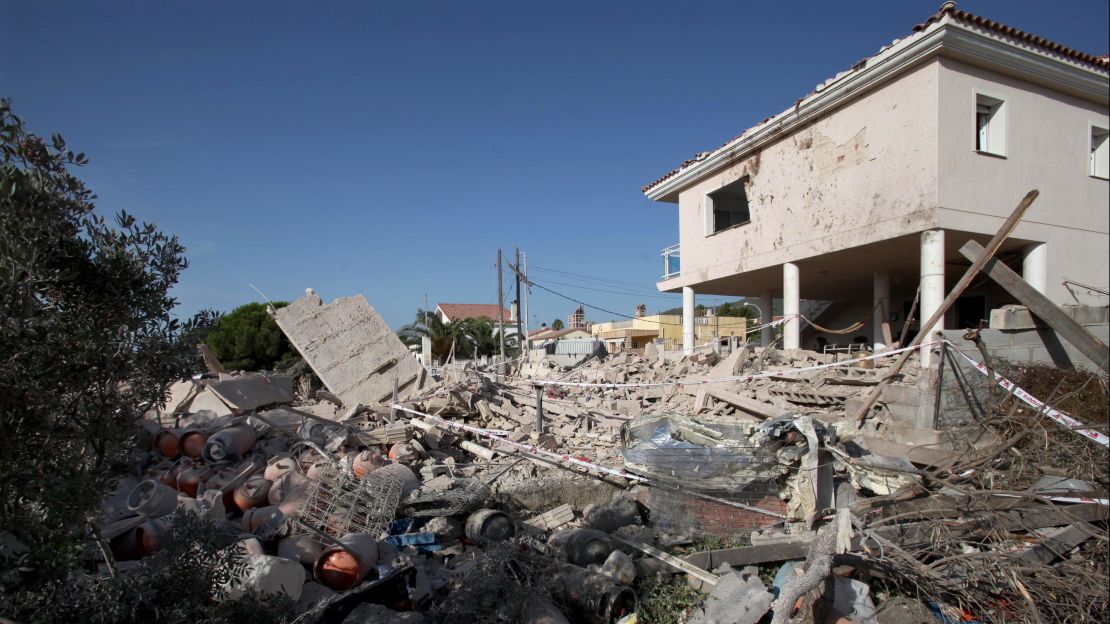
{"x":867,"y":187}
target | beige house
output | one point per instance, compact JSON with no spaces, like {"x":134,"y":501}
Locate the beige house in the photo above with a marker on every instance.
{"x":666,"y":330}
{"x":866,"y":188}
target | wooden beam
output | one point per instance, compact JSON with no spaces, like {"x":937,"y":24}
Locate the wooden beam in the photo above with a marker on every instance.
{"x":1058,"y":545}
{"x":751,"y":406}
{"x":1041,"y":306}
{"x":915,"y":535}
{"x":957,"y":291}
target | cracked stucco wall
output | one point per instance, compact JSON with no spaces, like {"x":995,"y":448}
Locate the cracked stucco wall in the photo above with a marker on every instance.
{"x":865,"y":173}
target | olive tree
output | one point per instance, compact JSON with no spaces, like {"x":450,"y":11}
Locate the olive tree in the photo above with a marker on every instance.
{"x":87,"y":343}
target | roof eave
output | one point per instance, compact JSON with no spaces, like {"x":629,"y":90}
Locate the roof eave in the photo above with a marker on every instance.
{"x":947,"y":36}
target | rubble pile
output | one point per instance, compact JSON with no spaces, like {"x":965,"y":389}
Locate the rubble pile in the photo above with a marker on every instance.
{"x":509,"y":498}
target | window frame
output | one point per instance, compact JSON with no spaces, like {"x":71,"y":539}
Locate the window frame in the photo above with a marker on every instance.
{"x":1091,"y":162}
{"x":709,"y":216}
{"x":998,"y":125}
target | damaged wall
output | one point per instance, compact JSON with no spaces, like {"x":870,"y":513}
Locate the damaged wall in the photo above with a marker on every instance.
{"x":864,"y":174}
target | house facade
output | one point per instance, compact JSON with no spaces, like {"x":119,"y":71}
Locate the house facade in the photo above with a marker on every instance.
{"x":666,"y":331}
{"x":452,"y":312}
{"x":863,"y":192}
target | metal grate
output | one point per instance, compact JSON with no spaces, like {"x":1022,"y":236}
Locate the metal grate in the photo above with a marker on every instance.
{"x":339,"y":503}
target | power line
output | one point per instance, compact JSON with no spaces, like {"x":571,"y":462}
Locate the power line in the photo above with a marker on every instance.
{"x":590,"y":277}
{"x":619,"y":283}
{"x":615,"y":292}
{"x":583,"y":303}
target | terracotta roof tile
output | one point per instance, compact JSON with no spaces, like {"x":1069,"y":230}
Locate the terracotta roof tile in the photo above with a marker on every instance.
{"x":949,"y":8}
{"x":460,"y":311}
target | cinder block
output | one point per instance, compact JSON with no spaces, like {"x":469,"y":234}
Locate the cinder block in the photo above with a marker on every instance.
{"x":1027,"y":338}
{"x":1088,"y":315}
{"x":901,"y":394}
{"x":1013,"y":317}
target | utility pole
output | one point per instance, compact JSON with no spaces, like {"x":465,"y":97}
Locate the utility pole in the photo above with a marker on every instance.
{"x":523,"y":266}
{"x":519,"y":336}
{"x":500,"y":316}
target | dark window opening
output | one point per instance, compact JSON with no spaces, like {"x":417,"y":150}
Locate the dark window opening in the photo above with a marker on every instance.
{"x":730,"y":206}
{"x":970,"y":311}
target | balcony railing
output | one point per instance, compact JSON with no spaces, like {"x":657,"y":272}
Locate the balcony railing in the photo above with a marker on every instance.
{"x":671,"y":262}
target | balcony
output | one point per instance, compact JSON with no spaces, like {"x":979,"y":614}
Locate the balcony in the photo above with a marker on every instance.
{"x":671,"y":262}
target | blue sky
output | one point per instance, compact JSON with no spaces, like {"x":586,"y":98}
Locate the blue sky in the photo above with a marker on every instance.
{"x":389,"y":149}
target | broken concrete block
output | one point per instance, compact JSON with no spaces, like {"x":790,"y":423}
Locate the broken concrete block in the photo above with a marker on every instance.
{"x":351,"y":349}
{"x":738,"y":598}
{"x":552,"y":519}
{"x":247,"y":392}
{"x":207,"y":400}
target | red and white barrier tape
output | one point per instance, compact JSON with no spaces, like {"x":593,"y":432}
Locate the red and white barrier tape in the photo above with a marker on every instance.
{"x":1068,"y":422}
{"x":699,"y":382}
{"x":567,"y":458}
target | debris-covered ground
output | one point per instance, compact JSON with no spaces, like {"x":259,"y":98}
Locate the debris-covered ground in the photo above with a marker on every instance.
{"x":748,"y":492}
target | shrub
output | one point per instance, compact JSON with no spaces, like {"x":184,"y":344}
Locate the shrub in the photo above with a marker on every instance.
{"x":248,"y":339}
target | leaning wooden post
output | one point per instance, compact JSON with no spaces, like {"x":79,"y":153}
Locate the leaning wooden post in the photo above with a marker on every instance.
{"x":961,"y":286}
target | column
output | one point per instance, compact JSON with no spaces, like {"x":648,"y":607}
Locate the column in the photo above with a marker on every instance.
{"x":881,"y":315}
{"x":766,"y":313}
{"x":791,"y":307}
{"x":687,"y":320}
{"x":1034,"y":266}
{"x":932,"y":287}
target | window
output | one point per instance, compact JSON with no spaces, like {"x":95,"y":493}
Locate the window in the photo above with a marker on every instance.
{"x":727,"y":207}
{"x":990,"y":125}
{"x":1100,"y":152}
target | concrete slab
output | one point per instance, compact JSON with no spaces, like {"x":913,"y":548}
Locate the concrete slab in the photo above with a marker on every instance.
{"x":248,"y":392}
{"x":207,"y":400}
{"x":351,"y":349}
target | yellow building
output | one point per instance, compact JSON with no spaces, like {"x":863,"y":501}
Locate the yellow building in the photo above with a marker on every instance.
{"x":666,"y":329}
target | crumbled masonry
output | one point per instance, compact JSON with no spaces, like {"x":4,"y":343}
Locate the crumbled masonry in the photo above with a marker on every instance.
{"x":451,"y":506}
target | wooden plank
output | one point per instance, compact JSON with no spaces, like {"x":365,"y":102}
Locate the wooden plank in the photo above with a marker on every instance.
{"x":751,"y":555}
{"x":675,"y":562}
{"x":1041,"y":306}
{"x":958,"y":290}
{"x":751,"y":406}
{"x":1058,"y":545}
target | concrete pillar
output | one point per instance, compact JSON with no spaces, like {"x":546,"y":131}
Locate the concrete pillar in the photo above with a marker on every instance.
{"x":791,"y":307}
{"x":766,"y":313}
{"x":881,"y":288}
{"x":932,"y":287}
{"x":687,"y":320}
{"x":1034,"y":266}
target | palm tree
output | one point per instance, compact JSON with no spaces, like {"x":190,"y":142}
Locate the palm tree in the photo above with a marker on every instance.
{"x":428,"y":324}
{"x":477,"y":338}
{"x":557,"y":324}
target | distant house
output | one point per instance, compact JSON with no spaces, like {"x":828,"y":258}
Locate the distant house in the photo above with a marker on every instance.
{"x":452,"y":312}
{"x":541,"y":336}
{"x":666,"y":330}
